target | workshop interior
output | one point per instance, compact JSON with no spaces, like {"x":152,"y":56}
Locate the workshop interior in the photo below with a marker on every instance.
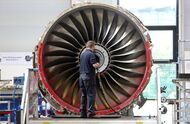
{"x":143,"y":47}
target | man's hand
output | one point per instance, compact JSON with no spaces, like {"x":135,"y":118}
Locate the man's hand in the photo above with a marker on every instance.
{"x":96,"y":65}
{"x":97,"y":58}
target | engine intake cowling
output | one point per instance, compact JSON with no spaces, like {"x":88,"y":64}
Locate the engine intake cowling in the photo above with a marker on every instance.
{"x":123,"y":49}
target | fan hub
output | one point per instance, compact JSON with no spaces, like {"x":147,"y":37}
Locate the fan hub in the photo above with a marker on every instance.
{"x":102,"y":57}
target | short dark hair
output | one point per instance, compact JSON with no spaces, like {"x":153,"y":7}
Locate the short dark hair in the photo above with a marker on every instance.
{"x":90,"y":44}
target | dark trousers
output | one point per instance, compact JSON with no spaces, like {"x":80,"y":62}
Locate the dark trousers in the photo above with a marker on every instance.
{"x":88,"y":94}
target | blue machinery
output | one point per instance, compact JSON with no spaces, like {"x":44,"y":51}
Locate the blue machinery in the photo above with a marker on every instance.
{"x":10,"y":97}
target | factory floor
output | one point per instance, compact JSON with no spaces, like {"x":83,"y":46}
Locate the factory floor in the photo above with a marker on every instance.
{"x":122,"y":120}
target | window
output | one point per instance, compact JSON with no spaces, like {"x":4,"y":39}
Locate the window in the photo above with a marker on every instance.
{"x":159,"y":16}
{"x":162,"y":44}
{"x":164,"y":40}
{"x":167,"y":73}
{"x":152,"y":12}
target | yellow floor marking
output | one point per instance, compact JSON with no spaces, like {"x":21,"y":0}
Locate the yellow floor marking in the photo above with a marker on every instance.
{"x":46,"y":122}
{"x":139,"y":122}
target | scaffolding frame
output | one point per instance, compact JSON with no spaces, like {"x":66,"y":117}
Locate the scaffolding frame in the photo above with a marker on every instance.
{"x":182,"y":104}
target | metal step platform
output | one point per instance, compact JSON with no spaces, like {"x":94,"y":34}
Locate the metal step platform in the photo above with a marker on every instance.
{"x":96,"y":120}
{"x":78,"y":116}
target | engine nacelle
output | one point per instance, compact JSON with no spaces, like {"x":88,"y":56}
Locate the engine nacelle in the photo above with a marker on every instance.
{"x":123,"y":48}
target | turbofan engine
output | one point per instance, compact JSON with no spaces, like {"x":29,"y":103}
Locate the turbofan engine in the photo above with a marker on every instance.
{"x":122,"y":46}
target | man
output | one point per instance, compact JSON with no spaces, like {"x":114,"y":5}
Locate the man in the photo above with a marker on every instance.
{"x":87,"y":80}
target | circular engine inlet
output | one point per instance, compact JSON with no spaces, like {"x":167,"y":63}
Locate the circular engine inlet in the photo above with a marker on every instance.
{"x":122,"y":47}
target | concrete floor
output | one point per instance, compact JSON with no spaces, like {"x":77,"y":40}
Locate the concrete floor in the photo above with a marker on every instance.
{"x":93,"y":121}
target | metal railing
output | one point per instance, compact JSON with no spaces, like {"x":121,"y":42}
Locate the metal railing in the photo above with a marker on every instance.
{"x":183,"y":101}
{"x":25,"y":100}
{"x":158,"y":95}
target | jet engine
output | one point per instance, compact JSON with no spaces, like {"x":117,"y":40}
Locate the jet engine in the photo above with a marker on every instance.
{"x":122,"y":46}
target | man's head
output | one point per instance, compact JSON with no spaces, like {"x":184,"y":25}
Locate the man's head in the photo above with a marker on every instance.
{"x":90,"y":45}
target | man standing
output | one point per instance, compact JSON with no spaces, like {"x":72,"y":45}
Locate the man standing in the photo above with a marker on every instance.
{"x":87,"y":80}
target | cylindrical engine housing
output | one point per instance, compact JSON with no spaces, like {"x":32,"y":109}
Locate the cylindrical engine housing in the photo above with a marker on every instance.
{"x":122,"y":45}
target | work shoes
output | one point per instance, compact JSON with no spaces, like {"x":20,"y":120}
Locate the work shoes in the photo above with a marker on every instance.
{"x":91,"y":115}
{"x":83,"y":115}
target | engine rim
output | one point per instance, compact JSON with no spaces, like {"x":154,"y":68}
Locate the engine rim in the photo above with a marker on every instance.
{"x":107,"y":111}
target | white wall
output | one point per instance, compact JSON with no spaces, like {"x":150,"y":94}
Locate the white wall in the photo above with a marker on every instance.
{"x":184,"y":46}
{"x":10,"y":71}
{"x":14,"y":64}
{"x":22,"y":22}
{"x":184,"y":19}
{"x":184,"y":37}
